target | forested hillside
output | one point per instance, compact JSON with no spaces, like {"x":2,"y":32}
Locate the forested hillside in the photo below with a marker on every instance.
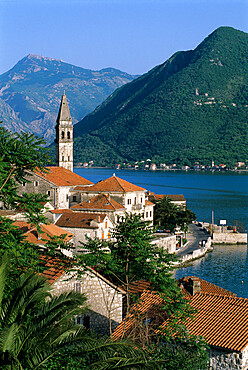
{"x":193,"y":107}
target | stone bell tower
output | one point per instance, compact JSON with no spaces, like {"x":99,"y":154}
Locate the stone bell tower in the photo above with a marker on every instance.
{"x":64,"y":136}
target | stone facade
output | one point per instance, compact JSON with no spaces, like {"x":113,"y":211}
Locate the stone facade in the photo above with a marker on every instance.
{"x":58,"y":195}
{"x":168,"y":243}
{"x":221,"y":359}
{"x":104,"y":300}
{"x":100,"y":230}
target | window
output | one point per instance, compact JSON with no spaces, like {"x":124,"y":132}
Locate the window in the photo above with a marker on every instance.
{"x":102,"y":235}
{"x":129,"y":201}
{"x":68,"y":158}
{"x":86,"y":321}
{"x":48,"y":193}
{"x":135,"y":200}
{"x":62,"y":135}
{"x":108,"y":235}
{"x":141,"y":200}
{"x":74,"y":198}
{"x":106,"y":224}
{"x":146,"y":214}
{"x":63,"y":158}
{"x":77,"y":287}
{"x":150,"y":213}
{"x":68,"y":135}
{"x":36,"y":183}
{"x":67,"y":197}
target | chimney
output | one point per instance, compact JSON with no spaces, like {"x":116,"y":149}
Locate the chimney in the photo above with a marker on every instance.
{"x":98,"y":219}
{"x":194,"y":285}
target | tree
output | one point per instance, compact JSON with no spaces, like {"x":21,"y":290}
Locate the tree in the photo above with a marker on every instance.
{"x":167,"y":215}
{"x":20,"y":154}
{"x":34,"y":324}
{"x":129,"y":257}
{"x":132,"y":256}
{"x":36,"y":327}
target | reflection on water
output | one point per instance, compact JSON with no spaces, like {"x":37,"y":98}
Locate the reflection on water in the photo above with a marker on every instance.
{"x":226,"y":266}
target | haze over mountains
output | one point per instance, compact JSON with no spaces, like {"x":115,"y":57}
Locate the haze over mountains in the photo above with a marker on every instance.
{"x":31,"y":91}
{"x":193,"y":107}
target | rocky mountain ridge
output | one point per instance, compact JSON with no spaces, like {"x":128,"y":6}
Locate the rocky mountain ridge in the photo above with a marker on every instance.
{"x":30,"y":92}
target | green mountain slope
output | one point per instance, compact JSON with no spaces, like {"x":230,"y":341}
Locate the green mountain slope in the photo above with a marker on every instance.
{"x":32,"y":90}
{"x":193,"y":107}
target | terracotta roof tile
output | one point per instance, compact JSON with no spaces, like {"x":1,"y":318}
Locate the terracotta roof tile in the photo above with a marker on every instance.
{"x":172,"y":197}
{"x":148,"y":303}
{"x":206,"y":287}
{"x":148,"y":203}
{"x":50,"y":230}
{"x":101,"y":202}
{"x":221,"y":319}
{"x":112,"y":184}
{"x":62,"y":177}
{"x":58,"y":211}
{"x":81,"y":220}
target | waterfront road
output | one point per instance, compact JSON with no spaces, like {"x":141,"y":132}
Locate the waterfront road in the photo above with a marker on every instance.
{"x":196,"y":236}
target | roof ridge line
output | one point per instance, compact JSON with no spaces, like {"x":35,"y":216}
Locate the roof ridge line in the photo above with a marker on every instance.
{"x":222,"y":295}
{"x":117,"y":179}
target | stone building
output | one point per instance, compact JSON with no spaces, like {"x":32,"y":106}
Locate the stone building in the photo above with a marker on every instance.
{"x":177,"y":199}
{"x":57,"y":182}
{"x":130,"y":196}
{"x":85,"y":225}
{"x":220,"y":317}
{"x":102,"y":203}
{"x":105,"y":301}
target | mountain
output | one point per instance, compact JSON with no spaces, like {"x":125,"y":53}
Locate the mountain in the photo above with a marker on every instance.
{"x":193,"y":107}
{"x":31,"y":91}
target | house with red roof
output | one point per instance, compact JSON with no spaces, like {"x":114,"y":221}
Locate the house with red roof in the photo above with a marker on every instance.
{"x":220,"y":317}
{"x":85,"y":225}
{"x":43,"y":236}
{"x":130,"y":196}
{"x":101,"y":203}
{"x":105,"y":301}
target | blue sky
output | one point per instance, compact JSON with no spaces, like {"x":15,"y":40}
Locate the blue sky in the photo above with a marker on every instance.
{"x":131,"y":35}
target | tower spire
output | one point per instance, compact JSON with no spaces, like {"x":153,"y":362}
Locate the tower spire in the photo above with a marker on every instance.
{"x":64,"y":136}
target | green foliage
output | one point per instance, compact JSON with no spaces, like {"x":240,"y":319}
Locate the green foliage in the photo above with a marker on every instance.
{"x":167,"y":215}
{"x":20,"y":154}
{"x":34,"y":325}
{"x":131,"y":257}
{"x":191,"y":108}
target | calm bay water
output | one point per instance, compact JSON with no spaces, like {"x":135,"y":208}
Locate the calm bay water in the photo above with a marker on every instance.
{"x":226,"y":193}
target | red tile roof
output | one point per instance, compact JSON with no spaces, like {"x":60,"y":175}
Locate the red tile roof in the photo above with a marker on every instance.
{"x":101,"y":202}
{"x":148,"y":203}
{"x":62,"y":177}
{"x":148,"y":305}
{"x":172,"y":197}
{"x":112,"y":184}
{"x":58,"y":211}
{"x":221,"y":318}
{"x":206,"y":287}
{"x":80,"y":220}
{"x":47,"y":231}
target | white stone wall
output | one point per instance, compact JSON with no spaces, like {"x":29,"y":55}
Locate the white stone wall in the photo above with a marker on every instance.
{"x":230,"y":238}
{"x":168,"y":243}
{"x":230,"y":360}
{"x":81,"y":234}
{"x":105,"y":303}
